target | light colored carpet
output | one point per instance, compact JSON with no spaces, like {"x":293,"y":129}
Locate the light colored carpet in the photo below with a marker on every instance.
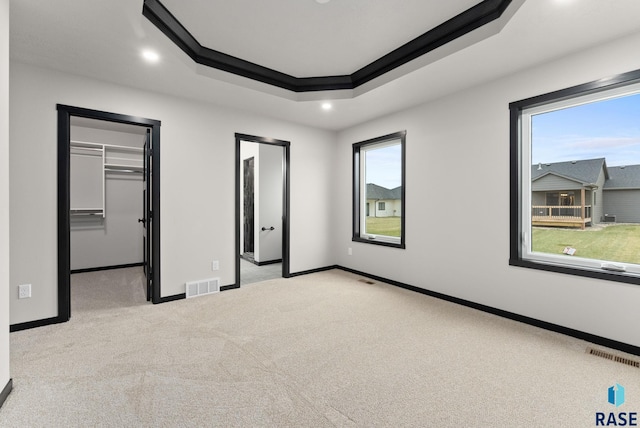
{"x":321,"y":350}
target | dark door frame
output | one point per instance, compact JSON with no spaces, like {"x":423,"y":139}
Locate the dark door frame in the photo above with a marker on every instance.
{"x":147,"y":211}
{"x":285,"y":200}
{"x":65,"y":113}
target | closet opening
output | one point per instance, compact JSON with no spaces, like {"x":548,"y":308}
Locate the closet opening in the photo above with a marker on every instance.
{"x":108,"y":201}
{"x":262,"y":209}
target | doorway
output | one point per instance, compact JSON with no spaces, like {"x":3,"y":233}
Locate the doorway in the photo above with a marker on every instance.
{"x":86,"y":207}
{"x":262,"y":209}
{"x":248,"y":197}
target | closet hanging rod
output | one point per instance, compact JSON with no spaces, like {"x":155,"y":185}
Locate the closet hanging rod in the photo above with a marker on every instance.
{"x":123,"y":166}
{"x":109,"y":146}
{"x":127,"y":171}
{"x":86,"y":211}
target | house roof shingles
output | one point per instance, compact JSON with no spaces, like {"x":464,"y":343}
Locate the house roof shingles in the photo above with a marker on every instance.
{"x":378,"y":192}
{"x":623,"y":177}
{"x":585,"y":171}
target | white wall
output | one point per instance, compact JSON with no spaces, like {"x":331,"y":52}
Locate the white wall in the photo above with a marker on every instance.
{"x":269,"y":242}
{"x":197,"y":182}
{"x":4,"y":194}
{"x":461,"y":248}
{"x":115,"y":239}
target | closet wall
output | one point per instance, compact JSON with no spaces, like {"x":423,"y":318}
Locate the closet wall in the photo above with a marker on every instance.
{"x":112,"y":237}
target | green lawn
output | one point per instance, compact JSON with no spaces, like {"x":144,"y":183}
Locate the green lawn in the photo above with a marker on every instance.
{"x":387,"y":226}
{"x":619,"y":243}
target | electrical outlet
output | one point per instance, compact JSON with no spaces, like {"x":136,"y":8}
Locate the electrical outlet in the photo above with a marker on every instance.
{"x":24,"y":291}
{"x":349,"y":251}
{"x":215,"y":265}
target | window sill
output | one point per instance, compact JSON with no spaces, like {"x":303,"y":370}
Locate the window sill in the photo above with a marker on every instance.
{"x":386,"y":242}
{"x":584,"y":272}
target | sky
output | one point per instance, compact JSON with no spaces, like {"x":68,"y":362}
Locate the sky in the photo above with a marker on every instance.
{"x":383,"y":166}
{"x":607,"y":129}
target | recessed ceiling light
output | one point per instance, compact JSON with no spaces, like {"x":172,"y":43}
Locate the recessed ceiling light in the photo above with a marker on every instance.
{"x":322,"y":1}
{"x":326,"y":106}
{"x":150,"y":56}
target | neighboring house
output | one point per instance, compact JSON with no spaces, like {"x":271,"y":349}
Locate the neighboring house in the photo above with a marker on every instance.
{"x":621,"y":199}
{"x":583,"y":192}
{"x":383,"y":202}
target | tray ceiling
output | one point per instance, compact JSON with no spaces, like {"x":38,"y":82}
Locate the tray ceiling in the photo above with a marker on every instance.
{"x":308,"y":46}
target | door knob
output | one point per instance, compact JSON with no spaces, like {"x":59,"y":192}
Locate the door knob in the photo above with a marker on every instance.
{"x":271,"y":228}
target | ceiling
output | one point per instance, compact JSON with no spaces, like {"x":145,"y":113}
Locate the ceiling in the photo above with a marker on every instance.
{"x":103,"y":40}
{"x":328,"y":39}
{"x":441,"y":39}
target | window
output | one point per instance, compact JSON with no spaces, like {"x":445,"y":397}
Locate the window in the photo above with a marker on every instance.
{"x":569,"y":149}
{"x":379,"y":190}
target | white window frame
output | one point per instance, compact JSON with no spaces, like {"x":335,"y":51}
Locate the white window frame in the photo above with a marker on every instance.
{"x":359,"y":190}
{"x":521,"y":114}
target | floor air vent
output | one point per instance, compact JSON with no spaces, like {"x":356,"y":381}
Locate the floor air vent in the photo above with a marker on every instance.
{"x":366,"y":281}
{"x":199,"y":288}
{"x":617,"y":359}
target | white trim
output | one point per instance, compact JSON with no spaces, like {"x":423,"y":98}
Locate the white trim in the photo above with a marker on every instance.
{"x":363,"y":194}
{"x":525,"y":132}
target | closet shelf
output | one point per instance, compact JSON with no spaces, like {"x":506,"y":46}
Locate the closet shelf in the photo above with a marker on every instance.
{"x":87,"y":144}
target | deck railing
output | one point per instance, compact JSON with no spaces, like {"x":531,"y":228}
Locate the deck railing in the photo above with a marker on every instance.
{"x":560,"y":211}
{"x":560,"y":215}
